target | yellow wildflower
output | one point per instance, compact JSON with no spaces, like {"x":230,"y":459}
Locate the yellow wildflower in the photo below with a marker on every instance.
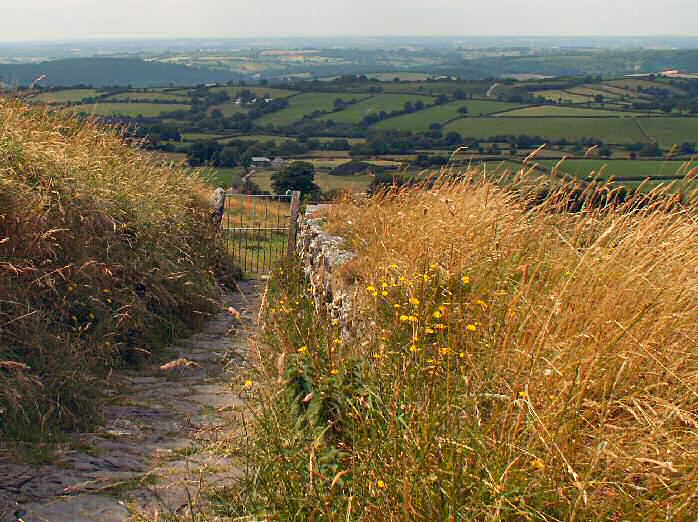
{"x":482,"y":304}
{"x":466,"y":280}
{"x":397,"y":305}
{"x":413,"y":348}
{"x":412,"y":319}
{"x":445,"y":350}
{"x":381,"y":484}
{"x":433,"y":266}
{"x":414,"y":301}
{"x":404,"y":318}
{"x":334,"y":371}
{"x":384,"y":293}
{"x":537,"y":464}
{"x":440,"y":326}
{"x":371,"y":288}
{"x":472,"y":327}
{"x":437,"y":314}
{"x":429,"y":330}
{"x":248,"y":383}
{"x":393,"y":266}
{"x":523,"y":395}
{"x":303,"y":349}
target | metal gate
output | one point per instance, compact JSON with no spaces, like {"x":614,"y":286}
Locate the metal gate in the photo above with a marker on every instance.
{"x":259,"y":229}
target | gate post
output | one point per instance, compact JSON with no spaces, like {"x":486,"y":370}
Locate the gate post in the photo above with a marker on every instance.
{"x":293,"y":228}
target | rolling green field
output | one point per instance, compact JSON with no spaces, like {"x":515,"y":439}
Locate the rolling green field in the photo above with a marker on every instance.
{"x":420,"y":120}
{"x":671,"y":131}
{"x":67,"y":96}
{"x":383,"y":102}
{"x":198,"y":136}
{"x":147,"y":96}
{"x":552,"y":110}
{"x":610,"y":130}
{"x":625,"y":169}
{"x":257,"y":90}
{"x":305,"y":104}
{"x":129,"y":109}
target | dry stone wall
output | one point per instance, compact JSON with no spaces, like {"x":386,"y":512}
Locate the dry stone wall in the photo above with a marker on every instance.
{"x":323,"y":256}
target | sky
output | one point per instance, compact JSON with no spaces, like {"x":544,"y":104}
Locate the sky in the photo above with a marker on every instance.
{"x":25,"y":20}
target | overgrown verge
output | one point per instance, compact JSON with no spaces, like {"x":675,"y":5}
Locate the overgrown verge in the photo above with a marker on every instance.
{"x":104,"y":257}
{"x":516,"y":361}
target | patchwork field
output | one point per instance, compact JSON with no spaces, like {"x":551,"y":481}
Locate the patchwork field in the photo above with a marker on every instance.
{"x":610,"y":130}
{"x":384,"y":102}
{"x":257,"y":90}
{"x":624,"y":169}
{"x":67,"y":96}
{"x":147,"y":96}
{"x":552,"y":110}
{"x":129,"y":109}
{"x":671,"y":131}
{"x":306,"y":104}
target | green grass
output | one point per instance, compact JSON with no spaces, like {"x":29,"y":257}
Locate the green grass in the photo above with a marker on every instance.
{"x":197,"y":136}
{"x":383,"y":102}
{"x":230,"y":108}
{"x":224,"y":177}
{"x":671,"y":131}
{"x":258,"y":91}
{"x":420,"y":120}
{"x":148,"y":110}
{"x":640,"y":169}
{"x":553,"y":110}
{"x":148,"y":96}
{"x":609,"y":130}
{"x":62,"y":97}
{"x":564,"y":96}
{"x":305,"y":104}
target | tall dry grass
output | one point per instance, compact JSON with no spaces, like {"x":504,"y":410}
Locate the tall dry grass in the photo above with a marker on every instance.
{"x":515,"y":360}
{"x":104,"y":256}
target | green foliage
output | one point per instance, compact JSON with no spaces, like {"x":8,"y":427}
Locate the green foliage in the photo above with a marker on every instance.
{"x":298,"y":175}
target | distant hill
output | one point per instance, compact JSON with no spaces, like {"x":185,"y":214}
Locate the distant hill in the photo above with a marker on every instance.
{"x":102,"y":72}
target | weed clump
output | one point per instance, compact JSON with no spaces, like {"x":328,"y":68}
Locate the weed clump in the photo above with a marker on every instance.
{"x":104,"y":257}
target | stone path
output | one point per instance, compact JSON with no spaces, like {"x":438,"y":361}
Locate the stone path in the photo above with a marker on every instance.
{"x":157,"y":450}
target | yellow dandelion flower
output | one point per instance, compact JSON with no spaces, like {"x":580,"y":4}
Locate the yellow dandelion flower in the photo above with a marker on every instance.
{"x":482,"y":304}
{"x":397,"y":305}
{"x":403,"y":279}
{"x":472,"y":327}
{"x":413,"y":348}
{"x":538,"y":464}
{"x":445,"y":351}
{"x":437,"y":314}
{"x":433,"y":266}
{"x":412,"y":319}
{"x":303,"y":349}
{"x":384,"y":293}
{"x":248,"y":383}
{"x":523,"y":395}
{"x":334,"y":371}
{"x":381,"y":484}
{"x":429,"y":330}
{"x":414,"y":301}
{"x":442,"y":309}
{"x":425,"y":277}
{"x":384,"y":285}
{"x":430,"y":361}
{"x":371,"y":288}
{"x":461,"y":355}
{"x":377,"y":356}
{"x":465,"y":280}
{"x":374,"y":294}
{"x":404,"y":318}
{"x":337,"y":341}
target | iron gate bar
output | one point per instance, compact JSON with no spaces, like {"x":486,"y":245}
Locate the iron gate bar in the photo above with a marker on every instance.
{"x":264,"y":243}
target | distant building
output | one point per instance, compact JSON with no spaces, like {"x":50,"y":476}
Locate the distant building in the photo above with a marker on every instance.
{"x":261,"y":162}
{"x":278,"y":163}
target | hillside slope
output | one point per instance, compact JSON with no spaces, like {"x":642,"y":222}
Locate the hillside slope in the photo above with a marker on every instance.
{"x":104,"y":256}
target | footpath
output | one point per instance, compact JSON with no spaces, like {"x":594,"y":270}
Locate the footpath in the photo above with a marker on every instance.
{"x":164,"y":438}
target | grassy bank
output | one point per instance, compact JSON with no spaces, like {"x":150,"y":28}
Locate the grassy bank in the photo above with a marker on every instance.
{"x":515,"y":361}
{"x":104,"y":257}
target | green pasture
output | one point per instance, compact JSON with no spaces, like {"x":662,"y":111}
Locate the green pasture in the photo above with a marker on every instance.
{"x":623,"y":169}
{"x":566,"y":112}
{"x":66,"y":96}
{"x":383,"y":102}
{"x":257,"y":90}
{"x":148,"y":110}
{"x":671,"y":131}
{"x":609,"y":130}
{"x":305,"y":104}
{"x":421,"y":120}
{"x":147,"y":96}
